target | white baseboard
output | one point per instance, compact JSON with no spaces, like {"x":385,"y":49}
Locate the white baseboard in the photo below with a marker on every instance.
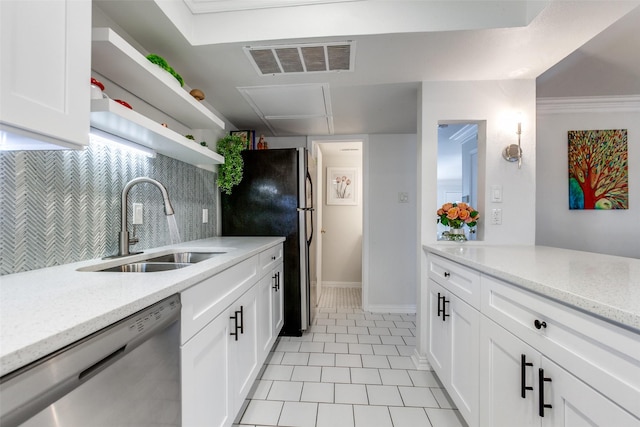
{"x":401,"y":308}
{"x":341,"y":284}
{"x":421,"y":362}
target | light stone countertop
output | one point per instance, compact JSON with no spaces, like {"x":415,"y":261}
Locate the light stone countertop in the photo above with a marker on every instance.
{"x":43,"y":310}
{"x":602,"y":285}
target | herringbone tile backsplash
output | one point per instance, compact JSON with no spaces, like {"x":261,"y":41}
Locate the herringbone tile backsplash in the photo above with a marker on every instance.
{"x":58,"y":207}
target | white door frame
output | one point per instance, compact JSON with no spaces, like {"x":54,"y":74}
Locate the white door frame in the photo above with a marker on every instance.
{"x":312,"y":145}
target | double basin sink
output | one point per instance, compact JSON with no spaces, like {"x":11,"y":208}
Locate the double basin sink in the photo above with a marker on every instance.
{"x":167,"y":262}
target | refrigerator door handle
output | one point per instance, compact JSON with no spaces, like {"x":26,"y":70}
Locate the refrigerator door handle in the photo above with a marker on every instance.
{"x":310,"y":181}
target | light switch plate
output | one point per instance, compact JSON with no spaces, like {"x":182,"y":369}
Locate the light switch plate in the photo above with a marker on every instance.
{"x":205,"y":216}
{"x":496,"y":193}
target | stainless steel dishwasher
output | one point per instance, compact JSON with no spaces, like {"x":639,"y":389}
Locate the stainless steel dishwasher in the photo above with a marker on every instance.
{"x":127,"y":374}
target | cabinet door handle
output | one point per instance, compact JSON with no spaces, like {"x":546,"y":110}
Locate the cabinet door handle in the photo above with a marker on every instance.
{"x":444,"y":309}
{"x":539,"y":324}
{"x":235,"y":325}
{"x":439,"y":309}
{"x":523,"y":375}
{"x":447,"y":274}
{"x":275,"y":282}
{"x":541,"y":404}
{"x":241,"y":319}
{"x":278,"y":279}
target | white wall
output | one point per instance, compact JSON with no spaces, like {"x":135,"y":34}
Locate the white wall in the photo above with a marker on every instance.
{"x":611,"y":232}
{"x":494,"y":102}
{"x":392,"y":232}
{"x":342,"y":242}
{"x":490,"y":102}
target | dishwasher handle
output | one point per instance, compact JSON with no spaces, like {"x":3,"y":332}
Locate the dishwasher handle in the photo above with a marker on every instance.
{"x":34,"y":387}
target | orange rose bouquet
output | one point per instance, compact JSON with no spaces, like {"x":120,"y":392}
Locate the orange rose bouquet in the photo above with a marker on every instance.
{"x":456,"y":215}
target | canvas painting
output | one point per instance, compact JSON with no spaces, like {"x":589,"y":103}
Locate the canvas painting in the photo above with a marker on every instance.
{"x":598,"y":169}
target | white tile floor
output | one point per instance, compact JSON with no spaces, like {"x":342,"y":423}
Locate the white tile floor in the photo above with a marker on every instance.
{"x":351,"y":369}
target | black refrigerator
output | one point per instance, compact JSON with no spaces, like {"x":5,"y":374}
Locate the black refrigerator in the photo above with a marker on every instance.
{"x":275,"y":198}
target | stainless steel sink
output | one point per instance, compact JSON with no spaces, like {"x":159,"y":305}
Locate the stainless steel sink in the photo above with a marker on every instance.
{"x":167,"y":262}
{"x":146,"y":267}
{"x":185,"y":257}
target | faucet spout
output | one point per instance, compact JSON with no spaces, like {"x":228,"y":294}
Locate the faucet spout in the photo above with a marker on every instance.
{"x":125,"y":240}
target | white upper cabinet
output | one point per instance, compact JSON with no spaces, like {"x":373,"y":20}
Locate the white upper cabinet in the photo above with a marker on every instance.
{"x":45,"y":53}
{"x":114,"y":58}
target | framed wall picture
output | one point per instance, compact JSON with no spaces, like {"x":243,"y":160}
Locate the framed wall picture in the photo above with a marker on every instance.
{"x":342,"y":186}
{"x":245,"y":135}
{"x":598,"y":169}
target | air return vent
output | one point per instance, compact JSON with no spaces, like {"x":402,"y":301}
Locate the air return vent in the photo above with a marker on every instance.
{"x":302,"y":58}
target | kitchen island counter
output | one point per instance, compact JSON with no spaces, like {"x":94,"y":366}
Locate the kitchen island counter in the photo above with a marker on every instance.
{"x":605,"y":286}
{"x":42,"y":311}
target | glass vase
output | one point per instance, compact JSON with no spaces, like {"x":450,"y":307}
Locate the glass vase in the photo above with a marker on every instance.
{"x":455,"y":235}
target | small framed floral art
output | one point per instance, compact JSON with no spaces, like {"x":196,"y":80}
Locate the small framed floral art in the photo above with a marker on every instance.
{"x":342,"y":186}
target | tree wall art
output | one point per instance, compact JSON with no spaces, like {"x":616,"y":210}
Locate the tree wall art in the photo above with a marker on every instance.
{"x":598,"y":169}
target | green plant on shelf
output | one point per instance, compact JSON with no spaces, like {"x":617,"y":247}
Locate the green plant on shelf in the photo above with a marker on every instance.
{"x":162,"y":63}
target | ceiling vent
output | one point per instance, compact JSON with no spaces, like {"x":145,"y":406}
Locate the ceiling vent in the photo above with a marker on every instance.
{"x":302,"y":58}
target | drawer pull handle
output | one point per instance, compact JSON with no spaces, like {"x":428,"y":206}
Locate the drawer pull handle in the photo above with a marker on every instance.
{"x":523,"y":375}
{"x":447,"y":274}
{"x":539,"y":325}
{"x":541,"y":404}
{"x":273,"y":258}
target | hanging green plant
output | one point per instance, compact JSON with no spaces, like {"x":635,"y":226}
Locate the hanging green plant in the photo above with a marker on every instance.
{"x":230,"y":173}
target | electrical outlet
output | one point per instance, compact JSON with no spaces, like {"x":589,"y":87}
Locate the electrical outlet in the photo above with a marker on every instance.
{"x":496,"y":216}
{"x":205,"y":216}
{"x":137,"y":214}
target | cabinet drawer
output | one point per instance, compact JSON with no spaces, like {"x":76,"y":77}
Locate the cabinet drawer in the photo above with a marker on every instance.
{"x":463,"y":282}
{"x":203,"y":302}
{"x":270,"y":258}
{"x":603,"y":355}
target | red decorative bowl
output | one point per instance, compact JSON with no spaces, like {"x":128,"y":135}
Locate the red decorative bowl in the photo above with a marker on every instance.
{"x":121,"y":102}
{"x":97,"y":83}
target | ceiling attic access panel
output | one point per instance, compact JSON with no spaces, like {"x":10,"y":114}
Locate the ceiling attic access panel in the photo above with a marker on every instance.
{"x":281,"y":106}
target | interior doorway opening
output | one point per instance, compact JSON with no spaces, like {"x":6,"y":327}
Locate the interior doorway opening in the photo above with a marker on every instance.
{"x":337,"y":266}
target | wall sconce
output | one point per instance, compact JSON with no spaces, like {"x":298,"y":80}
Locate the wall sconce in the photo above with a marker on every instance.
{"x":513,"y":152}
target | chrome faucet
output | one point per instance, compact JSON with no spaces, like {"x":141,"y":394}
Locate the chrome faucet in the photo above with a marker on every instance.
{"x":125,"y":239}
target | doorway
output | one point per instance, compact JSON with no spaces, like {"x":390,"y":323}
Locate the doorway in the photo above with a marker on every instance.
{"x":337,"y":273}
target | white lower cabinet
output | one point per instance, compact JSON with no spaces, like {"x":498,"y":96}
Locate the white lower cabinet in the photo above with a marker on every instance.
{"x":509,"y":357}
{"x":270,"y":312}
{"x":277,"y":301}
{"x":523,"y":388}
{"x":206,"y":382}
{"x":574,"y":403}
{"x":453,"y":348}
{"x":243,"y":336}
{"x":507,"y":376}
{"x":221,"y":359}
{"x":219,"y":365}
